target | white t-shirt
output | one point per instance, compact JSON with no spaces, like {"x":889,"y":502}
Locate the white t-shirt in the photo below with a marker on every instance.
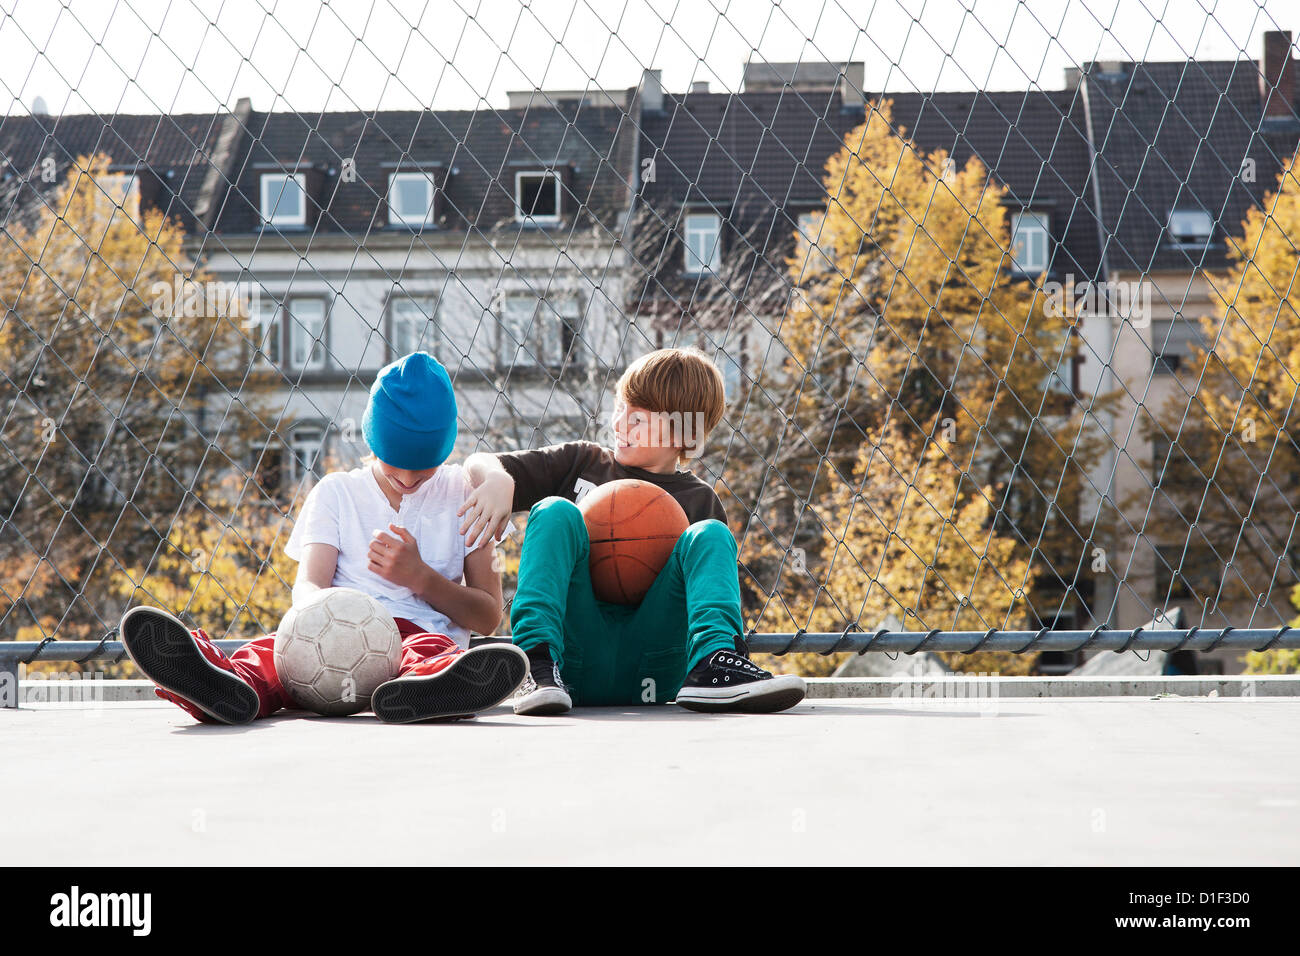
{"x":347,"y":507}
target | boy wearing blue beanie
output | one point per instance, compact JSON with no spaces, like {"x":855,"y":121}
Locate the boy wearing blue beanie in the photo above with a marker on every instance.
{"x":388,"y":528}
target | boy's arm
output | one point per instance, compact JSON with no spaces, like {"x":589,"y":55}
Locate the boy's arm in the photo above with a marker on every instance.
{"x":489,"y":502}
{"x":315,"y":571}
{"x":514,"y":481}
{"x":314,"y":541}
{"x":474,"y":605}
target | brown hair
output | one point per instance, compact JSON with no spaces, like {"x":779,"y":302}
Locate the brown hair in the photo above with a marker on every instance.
{"x":681,"y":380}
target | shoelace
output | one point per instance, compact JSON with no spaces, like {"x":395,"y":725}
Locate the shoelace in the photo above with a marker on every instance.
{"x":740,"y":662}
{"x":530,"y":683}
{"x":559,"y":681}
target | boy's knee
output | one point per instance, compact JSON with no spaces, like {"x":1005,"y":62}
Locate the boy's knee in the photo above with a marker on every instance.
{"x":557,"y":519}
{"x":555,"y":508}
{"x":710,"y":531}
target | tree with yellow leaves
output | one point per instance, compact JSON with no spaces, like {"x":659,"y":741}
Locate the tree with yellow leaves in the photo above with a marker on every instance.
{"x":908,"y":537}
{"x":224,"y":566}
{"x":1230,"y":484}
{"x":1281,"y":660}
{"x":906,"y":321}
{"x":108,"y":375}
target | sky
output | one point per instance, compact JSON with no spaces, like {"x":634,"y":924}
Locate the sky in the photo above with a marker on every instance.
{"x":149,"y":56}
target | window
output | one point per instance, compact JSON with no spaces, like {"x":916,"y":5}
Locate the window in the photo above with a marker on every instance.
{"x":517,"y":334}
{"x":1172,"y":344}
{"x":1063,"y":379}
{"x":702,"y":246}
{"x":306,"y":446}
{"x":410,"y":199}
{"x":267,"y":331}
{"x":284,"y":199}
{"x":118,"y":191}
{"x":569,"y":308}
{"x":279,"y":466}
{"x":1190,"y":227}
{"x":1030,"y":242}
{"x":537,"y":197}
{"x":411,"y":327}
{"x":731,"y":376}
{"x":358,"y":342}
{"x":306,"y":319}
{"x":558,"y":319}
{"x":268,"y":469}
{"x":813,"y":252}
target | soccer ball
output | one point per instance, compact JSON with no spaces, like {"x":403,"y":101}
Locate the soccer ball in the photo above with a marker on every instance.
{"x":334,"y":649}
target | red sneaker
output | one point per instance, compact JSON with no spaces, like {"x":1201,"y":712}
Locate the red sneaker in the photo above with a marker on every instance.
{"x":452,"y":686}
{"x":188,"y":668}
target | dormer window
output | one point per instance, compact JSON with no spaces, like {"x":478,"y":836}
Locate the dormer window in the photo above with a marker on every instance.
{"x":1190,"y":227}
{"x":119,"y":191}
{"x":284,"y":199}
{"x":410,"y":199}
{"x":537,"y":197}
{"x":1030,"y":242}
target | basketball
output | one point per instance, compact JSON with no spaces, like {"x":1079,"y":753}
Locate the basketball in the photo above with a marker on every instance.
{"x":633,"y":526}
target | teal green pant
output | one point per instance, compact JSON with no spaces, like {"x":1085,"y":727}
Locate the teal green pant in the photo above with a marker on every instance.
{"x":615,"y":654}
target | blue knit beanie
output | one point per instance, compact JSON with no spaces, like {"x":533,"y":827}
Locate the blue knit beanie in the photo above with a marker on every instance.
{"x":410,"y":420}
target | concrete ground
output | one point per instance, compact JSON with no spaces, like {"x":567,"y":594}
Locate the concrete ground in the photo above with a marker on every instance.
{"x":909,"y":782}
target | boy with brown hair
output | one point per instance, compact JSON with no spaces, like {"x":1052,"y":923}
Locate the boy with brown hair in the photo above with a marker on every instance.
{"x":684,"y":639}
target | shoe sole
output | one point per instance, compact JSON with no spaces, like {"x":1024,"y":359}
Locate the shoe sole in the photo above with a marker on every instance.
{"x":765,"y":697}
{"x":478,"y":679}
{"x":544,"y":702}
{"x":163,"y":648}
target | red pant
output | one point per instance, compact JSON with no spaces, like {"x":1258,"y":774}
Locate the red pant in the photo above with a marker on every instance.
{"x":423,"y":652}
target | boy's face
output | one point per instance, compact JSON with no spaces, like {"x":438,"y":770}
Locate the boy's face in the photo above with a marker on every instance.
{"x":402,"y":480}
{"x":643,"y":439}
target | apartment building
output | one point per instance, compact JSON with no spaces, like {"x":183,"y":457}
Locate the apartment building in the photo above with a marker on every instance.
{"x":488,"y":238}
{"x":1132,"y":173}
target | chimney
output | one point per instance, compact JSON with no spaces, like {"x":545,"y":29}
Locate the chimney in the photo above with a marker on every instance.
{"x":652,"y":91}
{"x":1277,"y":75}
{"x":699,"y":86}
{"x":853,"y":83}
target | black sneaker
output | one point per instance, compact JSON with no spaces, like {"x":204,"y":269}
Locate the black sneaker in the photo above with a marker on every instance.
{"x":542,"y":694}
{"x":198,"y":674}
{"x":727,"y":681}
{"x":480,"y":678}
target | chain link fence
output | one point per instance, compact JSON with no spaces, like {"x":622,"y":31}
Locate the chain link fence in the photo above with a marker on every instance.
{"x":1003,"y":360}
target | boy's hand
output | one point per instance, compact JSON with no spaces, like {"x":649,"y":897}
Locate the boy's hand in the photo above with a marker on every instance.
{"x":397,"y":559}
{"x":486,"y":510}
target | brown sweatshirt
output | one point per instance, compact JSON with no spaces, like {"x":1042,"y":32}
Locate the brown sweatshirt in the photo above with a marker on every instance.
{"x":572,"y":469}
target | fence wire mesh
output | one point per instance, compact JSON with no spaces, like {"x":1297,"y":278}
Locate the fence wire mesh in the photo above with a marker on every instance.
{"x":996,"y":359}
